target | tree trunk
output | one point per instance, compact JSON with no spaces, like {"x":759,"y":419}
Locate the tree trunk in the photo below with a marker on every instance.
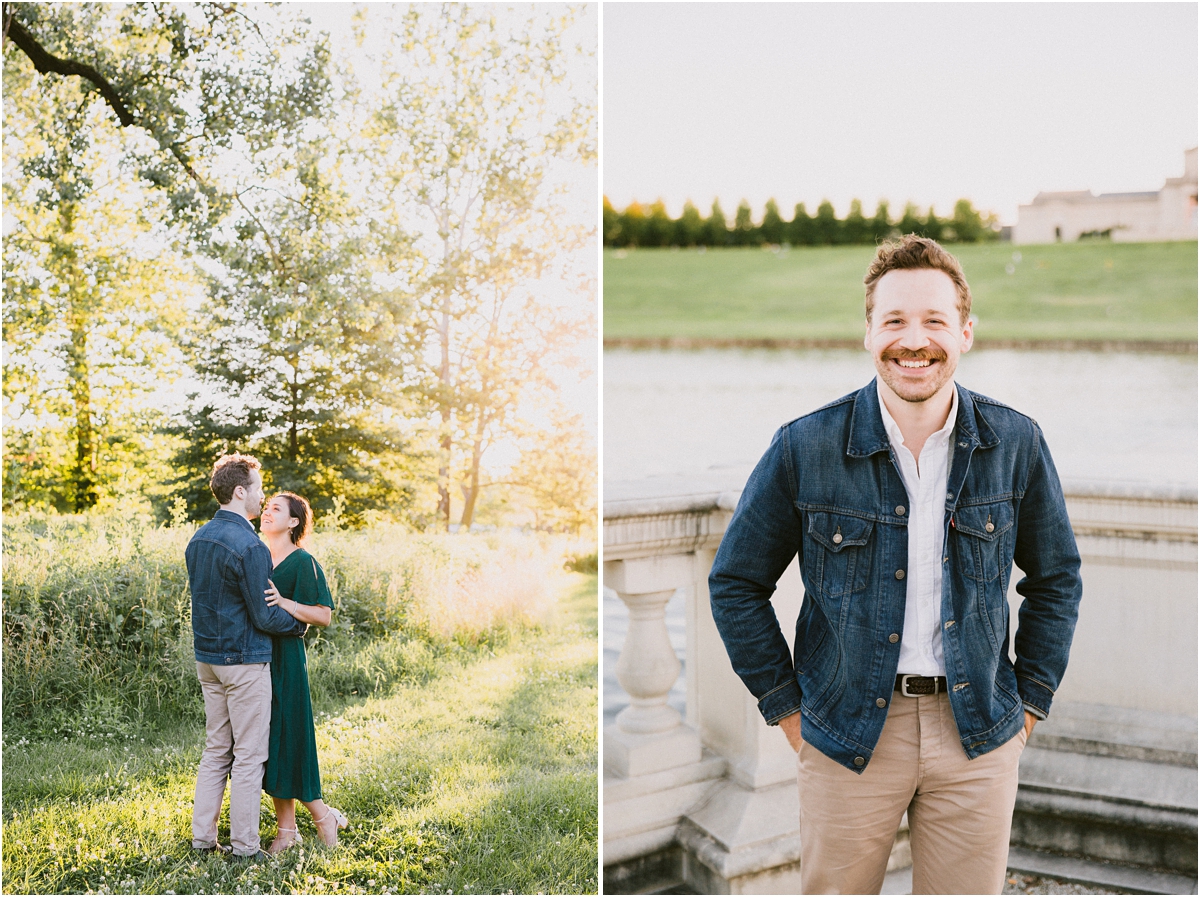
{"x":83,"y":473}
{"x":444,"y":413}
{"x":471,"y":493}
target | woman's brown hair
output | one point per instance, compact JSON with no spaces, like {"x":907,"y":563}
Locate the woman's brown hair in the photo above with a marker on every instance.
{"x":302,"y":511}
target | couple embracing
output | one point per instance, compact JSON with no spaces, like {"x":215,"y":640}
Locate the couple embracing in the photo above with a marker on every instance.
{"x":252,"y":602}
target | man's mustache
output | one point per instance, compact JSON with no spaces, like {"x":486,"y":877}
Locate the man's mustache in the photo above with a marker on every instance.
{"x":919,"y":355}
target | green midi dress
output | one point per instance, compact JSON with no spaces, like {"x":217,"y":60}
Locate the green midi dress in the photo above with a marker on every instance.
{"x":292,"y":761}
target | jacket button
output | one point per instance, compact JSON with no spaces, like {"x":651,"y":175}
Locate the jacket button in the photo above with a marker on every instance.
{"x":880,"y":702}
{"x":894,"y":637}
{"x":899,"y":574}
{"x":989,"y":527}
{"x":837,"y":538}
{"x":899,"y":510}
{"x":949,"y":495}
{"x":859,"y":761}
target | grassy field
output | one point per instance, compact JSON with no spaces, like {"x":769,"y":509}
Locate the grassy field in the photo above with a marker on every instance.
{"x":1065,"y":291}
{"x":466,"y":761}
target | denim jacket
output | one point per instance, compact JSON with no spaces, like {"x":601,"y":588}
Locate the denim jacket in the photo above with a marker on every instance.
{"x":828,"y":490}
{"x":228,"y":567}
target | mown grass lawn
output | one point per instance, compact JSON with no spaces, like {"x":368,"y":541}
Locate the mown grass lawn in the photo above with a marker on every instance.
{"x":481,"y":779}
{"x":1081,"y":291}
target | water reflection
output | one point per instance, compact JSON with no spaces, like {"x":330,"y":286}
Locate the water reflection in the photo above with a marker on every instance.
{"x":1107,"y":416}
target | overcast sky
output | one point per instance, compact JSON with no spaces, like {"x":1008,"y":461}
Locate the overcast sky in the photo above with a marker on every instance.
{"x":926,"y":102}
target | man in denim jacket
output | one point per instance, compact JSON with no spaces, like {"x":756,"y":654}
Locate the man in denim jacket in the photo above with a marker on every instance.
{"x":228,"y":569}
{"x":906,"y":503}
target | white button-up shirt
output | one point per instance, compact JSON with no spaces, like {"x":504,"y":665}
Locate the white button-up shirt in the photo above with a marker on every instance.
{"x":921,"y":642}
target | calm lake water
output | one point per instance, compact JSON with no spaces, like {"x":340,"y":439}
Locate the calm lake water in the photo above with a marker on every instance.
{"x":1120,"y":416}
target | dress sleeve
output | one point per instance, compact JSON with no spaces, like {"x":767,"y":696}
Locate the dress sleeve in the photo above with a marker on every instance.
{"x":321,"y":593}
{"x":311,"y":587}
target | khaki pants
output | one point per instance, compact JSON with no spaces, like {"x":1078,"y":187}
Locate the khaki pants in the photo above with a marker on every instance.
{"x":237,"y":713}
{"x":959,"y":810}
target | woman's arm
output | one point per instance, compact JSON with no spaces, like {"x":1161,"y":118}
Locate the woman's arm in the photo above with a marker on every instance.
{"x":316,"y":614}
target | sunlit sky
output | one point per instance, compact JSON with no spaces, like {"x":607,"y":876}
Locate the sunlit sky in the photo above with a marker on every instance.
{"x":927,"y":102}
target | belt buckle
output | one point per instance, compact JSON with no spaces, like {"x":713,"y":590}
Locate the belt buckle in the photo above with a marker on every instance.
{"x":909,"y":694}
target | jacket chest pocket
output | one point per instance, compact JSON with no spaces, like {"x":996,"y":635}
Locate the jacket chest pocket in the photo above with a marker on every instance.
{"x":838,"y":554}
{"x":985,"y":532}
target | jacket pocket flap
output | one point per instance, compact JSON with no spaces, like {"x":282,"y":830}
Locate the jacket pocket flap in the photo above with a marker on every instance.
{"x":984,"y":521}
{"x":838,"y":531}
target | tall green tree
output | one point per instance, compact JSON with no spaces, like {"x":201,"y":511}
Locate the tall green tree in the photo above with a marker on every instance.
{"x":659,"y":229}
{"x":92,"y":303}
{"x":881,"y":225}
{"x":826,"y":227}
{"x":910,"y":221}
{"x":933,"y":226}
{"x":800,"y":228}
{"x":557,"y":471}
{"x":610,"y":224}
{"x":744,"y":231}
{"x":855,"y":228}
{"x":689,"y":227}
{"x":716,"y":228}
{"x":477,"y":114}
{"x":300,"y":349}
{"x":967,"y":222}
{"x":772,"y":224}
{"x":159,"y":91}
{"x":633,"y":225}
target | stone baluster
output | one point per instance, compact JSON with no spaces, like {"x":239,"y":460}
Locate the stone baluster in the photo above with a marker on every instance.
{"x":649,"y":735}
{"x":647,"y":667}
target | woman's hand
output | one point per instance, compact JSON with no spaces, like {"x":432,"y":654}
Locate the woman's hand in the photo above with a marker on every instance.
{"x":275,"y":599}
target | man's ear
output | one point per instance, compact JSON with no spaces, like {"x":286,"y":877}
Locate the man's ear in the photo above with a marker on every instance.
{"x":867,"y":336}
{"x":968,"y":335}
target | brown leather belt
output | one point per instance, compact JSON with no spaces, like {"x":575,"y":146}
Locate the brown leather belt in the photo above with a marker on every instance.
{"x":914,"y":686}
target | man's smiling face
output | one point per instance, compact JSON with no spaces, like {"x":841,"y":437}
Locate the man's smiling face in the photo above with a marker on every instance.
{"x":915,"y":333}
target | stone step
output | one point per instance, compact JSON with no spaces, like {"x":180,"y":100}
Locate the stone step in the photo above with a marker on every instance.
{"x":1129,"y":879}
{"x":1110,"y":785}
{"x":1103,"y":730}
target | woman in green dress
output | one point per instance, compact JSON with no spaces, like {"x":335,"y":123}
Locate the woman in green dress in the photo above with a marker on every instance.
{"x":298,"y":586}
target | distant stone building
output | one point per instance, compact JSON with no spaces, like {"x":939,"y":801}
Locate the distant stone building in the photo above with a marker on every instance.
{"x":1166,"y":214}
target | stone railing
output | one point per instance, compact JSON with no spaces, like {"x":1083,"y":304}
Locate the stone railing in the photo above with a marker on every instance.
{"x":709,"y":797}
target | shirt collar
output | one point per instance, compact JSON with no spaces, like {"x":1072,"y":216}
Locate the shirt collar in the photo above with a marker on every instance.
{"x":893,"y":429}
{"x":231,"y":515}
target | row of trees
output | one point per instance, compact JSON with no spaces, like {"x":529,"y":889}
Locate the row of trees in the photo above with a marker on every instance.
{"x":221,"y":234}
{"x":640,"y":225}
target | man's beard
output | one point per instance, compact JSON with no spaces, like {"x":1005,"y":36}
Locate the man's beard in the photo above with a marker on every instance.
{"x":915,"y":391}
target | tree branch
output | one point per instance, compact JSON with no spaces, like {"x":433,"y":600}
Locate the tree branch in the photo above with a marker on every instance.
{"x":47,"y":63}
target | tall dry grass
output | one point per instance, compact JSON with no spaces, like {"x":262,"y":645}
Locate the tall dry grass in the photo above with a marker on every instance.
{"x":97,"y":631}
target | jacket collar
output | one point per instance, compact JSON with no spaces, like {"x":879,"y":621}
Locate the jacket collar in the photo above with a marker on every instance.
{"x":868,"y":436}
{"x":230,"y":515}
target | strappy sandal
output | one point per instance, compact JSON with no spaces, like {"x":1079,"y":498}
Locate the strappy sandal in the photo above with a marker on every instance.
{"x":287,"y":837}
{"x":339,"y":822}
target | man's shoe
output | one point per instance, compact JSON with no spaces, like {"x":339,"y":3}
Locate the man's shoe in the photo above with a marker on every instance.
{"x":220,"y":849}
{"x":259,"y":856}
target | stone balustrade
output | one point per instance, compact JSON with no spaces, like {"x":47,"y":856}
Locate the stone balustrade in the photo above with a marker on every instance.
{"x":710,"y":798}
